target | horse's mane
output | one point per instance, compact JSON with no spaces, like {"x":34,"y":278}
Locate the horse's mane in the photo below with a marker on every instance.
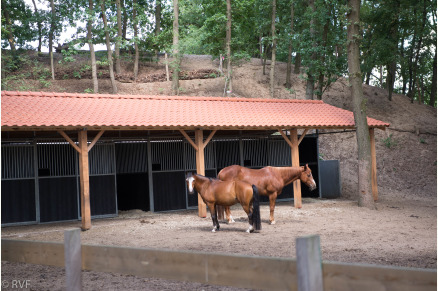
{"x":204,"y":177}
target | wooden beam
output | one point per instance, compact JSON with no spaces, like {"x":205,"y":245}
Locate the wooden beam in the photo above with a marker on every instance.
{"x":84,"y":179}
{"x":200,"y":169}
{"x":96,"y":138}
{"x":373,"y":165}
{"x":285,"y":137}
{"x":188,"y":139}
{"x":67,"y":138}
{"x":295,"y":155}
{"x":303,"y":135}
{"x":209,"y":138}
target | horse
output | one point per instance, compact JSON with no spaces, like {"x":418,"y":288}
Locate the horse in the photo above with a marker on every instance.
{"x":227,"y":193}
{"x":270,"y":181}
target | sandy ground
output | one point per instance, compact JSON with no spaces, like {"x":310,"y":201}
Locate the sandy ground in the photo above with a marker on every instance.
{"x":397,"y":234}
{"x":401,"y":232}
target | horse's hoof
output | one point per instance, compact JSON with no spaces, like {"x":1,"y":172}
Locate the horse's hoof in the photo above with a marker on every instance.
{"x":273,"y":222}
{"x":213,"y":230}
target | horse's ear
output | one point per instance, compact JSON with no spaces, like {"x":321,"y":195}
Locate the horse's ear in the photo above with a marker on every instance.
{"x":306,"y":166}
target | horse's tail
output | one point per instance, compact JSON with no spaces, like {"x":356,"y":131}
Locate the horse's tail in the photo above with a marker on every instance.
{"x":257,"y":224}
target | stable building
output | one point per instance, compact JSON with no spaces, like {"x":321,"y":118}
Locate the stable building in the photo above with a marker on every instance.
{"x":68,"y":156}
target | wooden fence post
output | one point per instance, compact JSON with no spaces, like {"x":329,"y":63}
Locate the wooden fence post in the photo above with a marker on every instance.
{"x":73,"y":259}
{"x":309,"y":264}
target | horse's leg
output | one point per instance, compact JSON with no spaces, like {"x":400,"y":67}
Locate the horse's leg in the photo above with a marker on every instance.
{"x":213,"y":213}
{"x":272,"y":199}
{"x":247,"y":207}
{"x":228,"y":214}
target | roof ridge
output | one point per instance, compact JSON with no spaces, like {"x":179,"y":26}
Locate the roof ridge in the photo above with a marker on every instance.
{"x":153,"y":97}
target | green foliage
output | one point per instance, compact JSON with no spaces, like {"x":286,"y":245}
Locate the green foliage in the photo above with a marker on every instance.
{"x":390,"y":142}
{"x":88,"y":90}
{"x":391,"y":31}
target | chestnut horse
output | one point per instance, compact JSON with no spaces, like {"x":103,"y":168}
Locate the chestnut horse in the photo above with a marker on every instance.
{"x":227,"y":193}
{"x":270,"y":181}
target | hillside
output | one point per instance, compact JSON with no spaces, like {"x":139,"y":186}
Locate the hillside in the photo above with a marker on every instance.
{"x":406,"y":152}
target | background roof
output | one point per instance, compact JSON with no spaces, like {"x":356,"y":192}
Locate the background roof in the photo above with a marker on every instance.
{"x":52,"y":111}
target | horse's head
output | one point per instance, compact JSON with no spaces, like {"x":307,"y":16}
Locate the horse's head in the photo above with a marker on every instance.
{"x":190,"y":180}
{"x":307,"y":178}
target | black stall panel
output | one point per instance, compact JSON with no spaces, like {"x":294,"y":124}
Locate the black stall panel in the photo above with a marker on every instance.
{"x":192,"y":199}
{"x":227,"y":153}
{"x":102,"y":195}
{"x":308,"y":149}
{"x":18,"y":201}
{"x":58,"y":199}
{"x":133,"y":191}
{"x":169,"y":191}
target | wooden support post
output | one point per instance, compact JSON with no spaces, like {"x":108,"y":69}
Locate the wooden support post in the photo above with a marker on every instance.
{"x":373,"y":165}
{"x":309,"y":264}
{"x":84,"y":180}
{"x":200,"y":168}
{"x":73,"y":259}
{"x":295,"y":163}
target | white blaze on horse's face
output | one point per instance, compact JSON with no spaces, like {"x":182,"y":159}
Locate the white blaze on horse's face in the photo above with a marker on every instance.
{"x":190,"y":181}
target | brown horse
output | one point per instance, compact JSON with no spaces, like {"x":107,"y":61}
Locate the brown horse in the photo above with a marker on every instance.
{"x":227,"y":193}
{"x":270,"y":181}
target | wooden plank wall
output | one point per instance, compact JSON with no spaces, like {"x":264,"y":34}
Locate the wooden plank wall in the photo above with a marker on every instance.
{"x":265,"y":273}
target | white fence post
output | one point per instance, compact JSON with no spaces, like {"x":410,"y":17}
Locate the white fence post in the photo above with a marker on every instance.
{"x":309,"y":264}
{"x":73,"y":259}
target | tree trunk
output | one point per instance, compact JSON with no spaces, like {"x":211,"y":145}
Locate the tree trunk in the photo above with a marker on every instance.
{"x":264,"y":58}
{"x":157,"y":22}
{"x":390,"y":78}
{"x":274,"y":50}
{"x":289,"y":55}
{"x":297,"y":65}
{"x":381,"y":76}
{"x":418,"y":53}
{"x":228,"y":48}
{"x":393,"y":37}
{"x":310,"y":78}
{"x":39,"y":26}
{"x":359,"y":107}
{"x":108,"y":48}
{"x":90,"y":44}
{"x":125,"y":21}
{"x":433,"y":85}
{"x":52,"y":29}
{"x":119,"y":37}
{"x":137,"y":53}
{"x":322,"y":57}
{"x":176,"y":56}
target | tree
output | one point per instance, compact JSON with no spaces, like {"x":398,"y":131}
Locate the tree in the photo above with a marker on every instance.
{"x":176,"y":56}
{"x":37,"y":14}
{"x":157,"y":22}
{"x":289,"y":55}
{"x":51,"y":35}
{"x":359,"y":106}
{"x":119,"y":37}
{"x":137,"y":53}
{"x":108,"y":48}
{"x":274,"y":50}
{"x":228,"y":81}
{"x":91,"y":46}
{"x":9,"y":30}
{"x":310,"y":70}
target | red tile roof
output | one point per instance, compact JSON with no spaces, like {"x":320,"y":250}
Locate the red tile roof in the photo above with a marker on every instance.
{"x":71,"y":110}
